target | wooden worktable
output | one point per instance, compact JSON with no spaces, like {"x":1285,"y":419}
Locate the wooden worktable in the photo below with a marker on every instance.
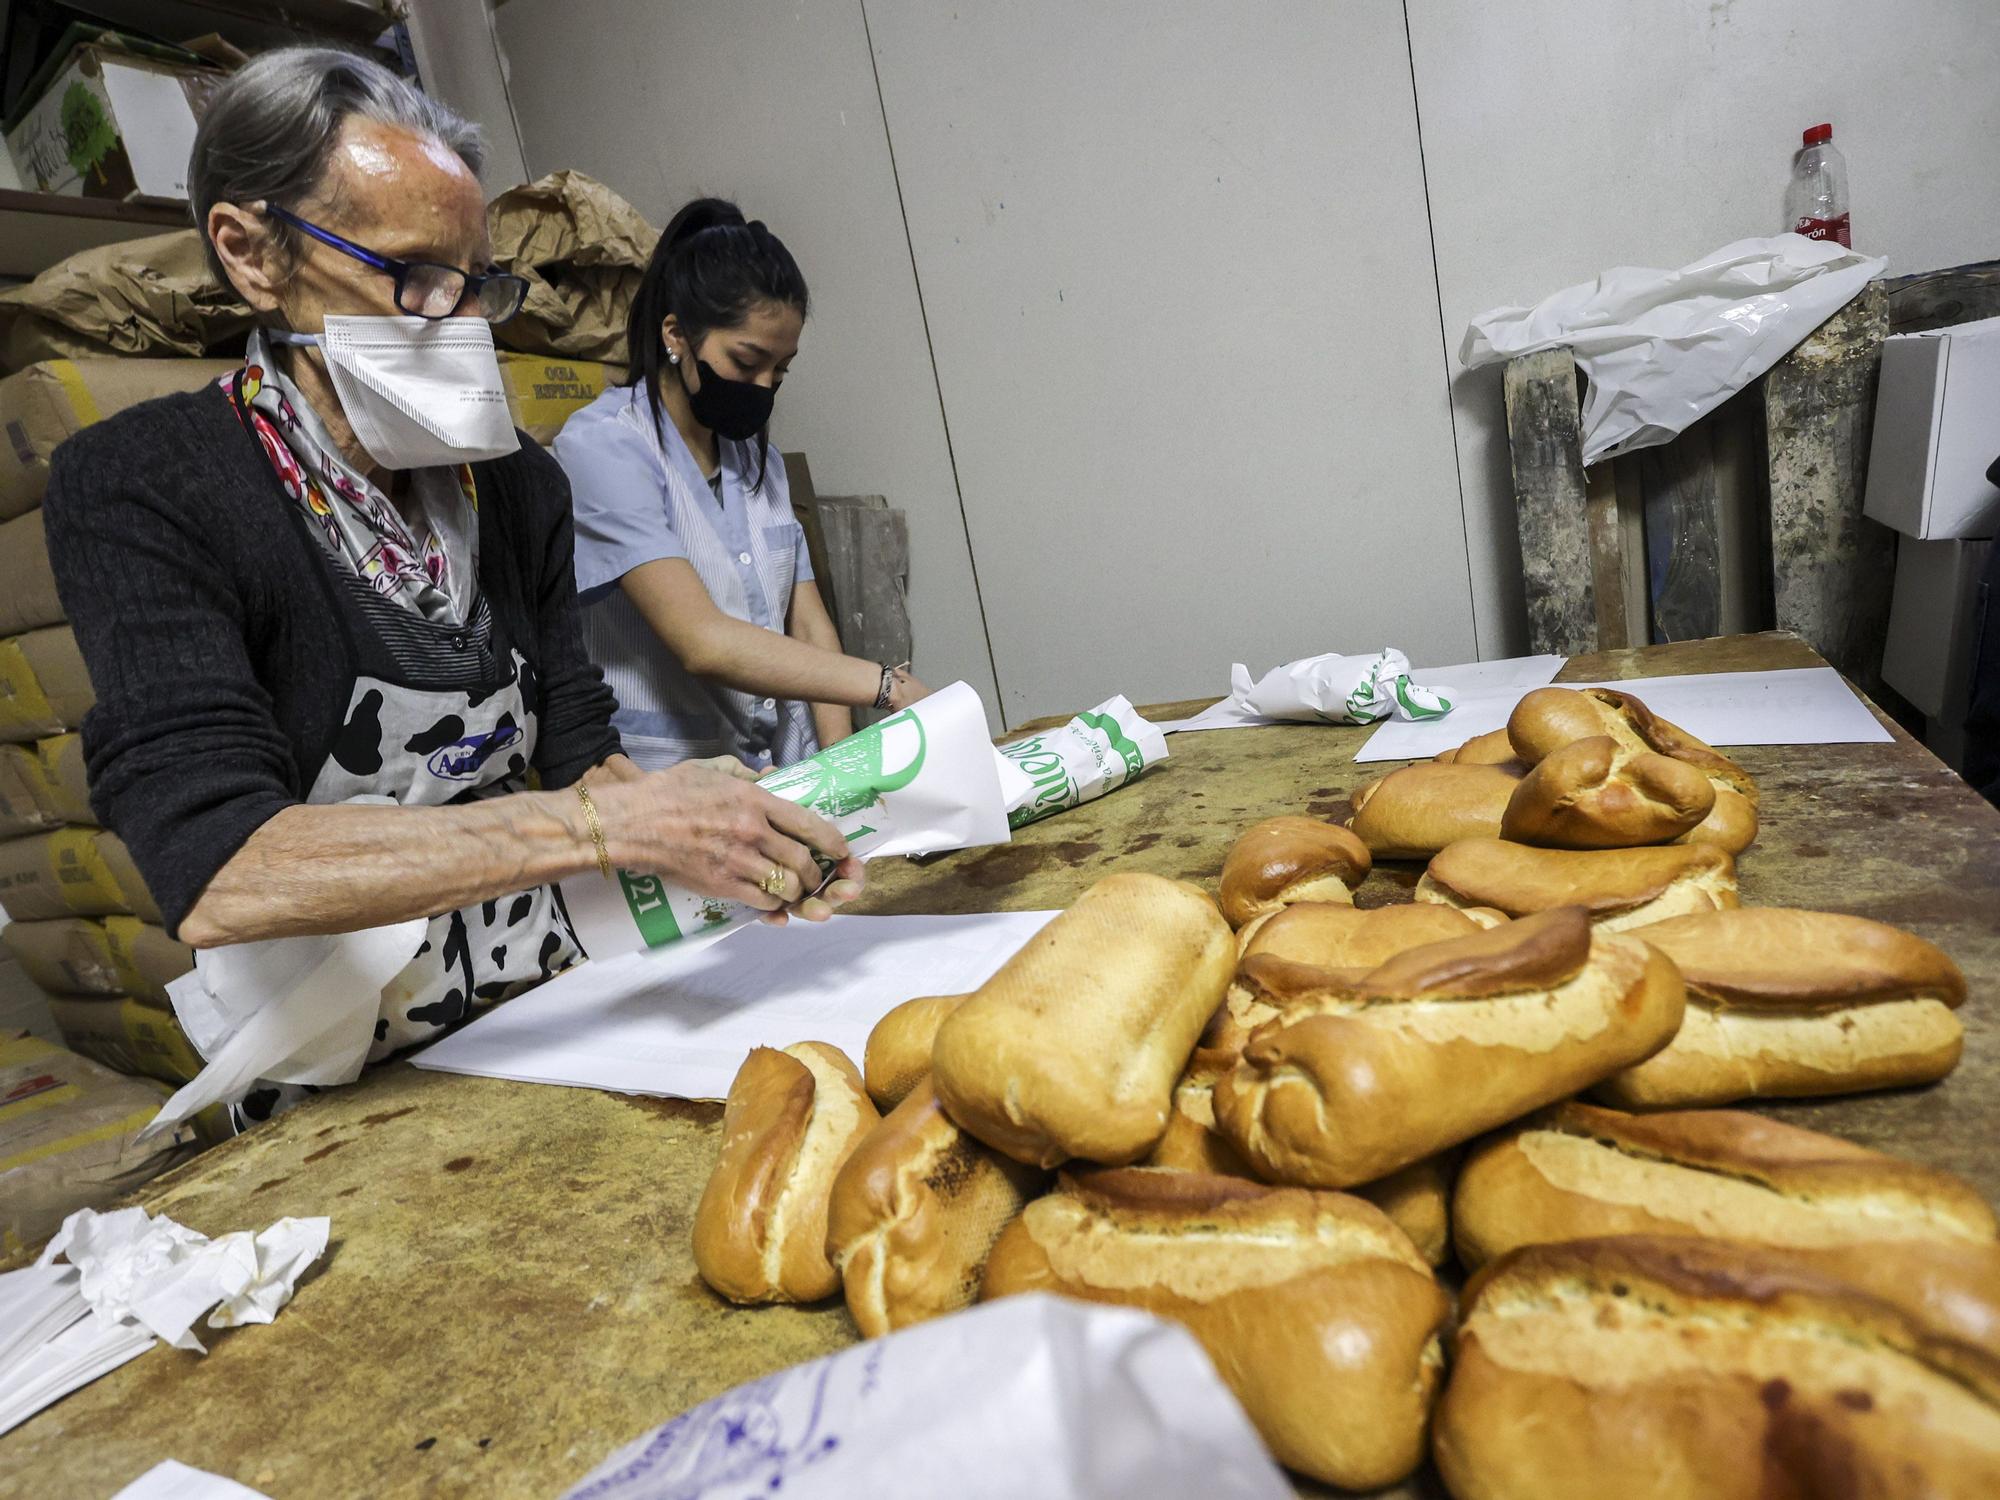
{"x":509,"y":1294}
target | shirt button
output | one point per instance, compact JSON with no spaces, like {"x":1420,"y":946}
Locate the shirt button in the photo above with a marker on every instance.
{"x":770,"y":703}
{"x":458,"y":641}
{"x":744,"y":558}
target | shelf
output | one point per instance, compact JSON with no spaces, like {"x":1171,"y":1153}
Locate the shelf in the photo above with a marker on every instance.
{"x":250,"y":24}
{"x":39,"y":229}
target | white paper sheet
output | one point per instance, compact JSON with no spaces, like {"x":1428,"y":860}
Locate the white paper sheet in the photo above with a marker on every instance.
{"x":677,"y":1023}
{"x":1472,"y":682}
{"x":91,"y":1346}
{"x":1799,"y":706}
{"x":173,"y":1480}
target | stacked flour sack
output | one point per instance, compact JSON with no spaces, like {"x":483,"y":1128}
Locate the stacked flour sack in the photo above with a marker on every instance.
{"x":1273,"y":1115}
{"x":80,"y":922}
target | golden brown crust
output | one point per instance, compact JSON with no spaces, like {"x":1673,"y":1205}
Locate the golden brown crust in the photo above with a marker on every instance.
{"x":1282,"y":860}
{"x":1608,"y":883}
{"x":1537,"y":952}
{"x":1074,"y":1047}
{"x":913,"y":1213}
{"x":1417,"y":1199}
{"x":1591,"y":794}
{"x":1377,"y":1078}
{"x":1549,"y":718}
{"x":1317,"y":1312}
{"x":1350,"y":937}
{"x":898,"y":1054}
{"x":1687,"y":1369}
{"x":1491,"y":749}
{"x":1783,"y":958}
{"x":787,"y":1125}
{"x":1578,"y":1172}
{"x":1414,"y":812}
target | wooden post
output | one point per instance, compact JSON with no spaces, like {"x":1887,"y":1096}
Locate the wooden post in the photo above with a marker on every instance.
{"x":866,"y":585}
{"x":1551,"y":507}
{"x":1831,"y":567}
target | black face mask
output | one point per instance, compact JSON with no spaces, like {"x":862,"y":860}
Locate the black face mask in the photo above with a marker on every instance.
{"x":736,"y":409}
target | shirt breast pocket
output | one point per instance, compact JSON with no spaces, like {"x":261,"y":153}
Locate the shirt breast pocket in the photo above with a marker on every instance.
{"x":782,"y":543}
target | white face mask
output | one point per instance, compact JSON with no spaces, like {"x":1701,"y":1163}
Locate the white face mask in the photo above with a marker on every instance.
{"x":417,"y":392}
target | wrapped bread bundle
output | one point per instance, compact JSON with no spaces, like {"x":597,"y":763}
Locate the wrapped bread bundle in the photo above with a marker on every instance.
{"x":1414,"y":812}
{"x":1694,"y":1369}
{"x":1320,"y":1316}
{"x":1074,"y":1047}
{"x":1619,"y":888}
{"x":1550,"y":718}
{"x":1787,"y":1003}
{"x":1285,"y":860}
{"x":1441,"y":1043}
{"x":790,"y":1120}
{"x":914,"y":1212}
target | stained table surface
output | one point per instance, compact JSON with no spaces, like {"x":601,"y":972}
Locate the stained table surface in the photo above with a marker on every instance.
{"x":509,"y":1293}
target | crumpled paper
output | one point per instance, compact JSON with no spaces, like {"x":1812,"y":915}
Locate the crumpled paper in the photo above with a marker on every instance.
{"x":1662,"y":348}
{"x":1338,"y":689}
{"x":150,"y":297}
{"x":165,"y":1275}
{"x":583,"y":250}
{"x":1030,"y":1395}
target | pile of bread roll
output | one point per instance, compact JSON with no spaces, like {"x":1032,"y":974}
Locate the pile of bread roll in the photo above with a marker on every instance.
{"x":1272,"y":1118}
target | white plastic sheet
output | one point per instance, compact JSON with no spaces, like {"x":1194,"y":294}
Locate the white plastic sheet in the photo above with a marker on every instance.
{"x":1028,"y":1396}
{"x":1662,"y":348}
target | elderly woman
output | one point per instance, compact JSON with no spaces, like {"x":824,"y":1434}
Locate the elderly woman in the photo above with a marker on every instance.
{"x":328,"y":605}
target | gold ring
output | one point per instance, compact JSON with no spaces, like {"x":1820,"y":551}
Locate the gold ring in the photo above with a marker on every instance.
{"x":773,"y":884}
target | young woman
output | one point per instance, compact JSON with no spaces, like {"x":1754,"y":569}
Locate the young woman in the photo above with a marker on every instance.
{"x":699,"y":601}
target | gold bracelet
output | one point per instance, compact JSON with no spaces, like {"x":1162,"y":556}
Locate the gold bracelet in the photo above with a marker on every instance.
{"x":596,"y":829}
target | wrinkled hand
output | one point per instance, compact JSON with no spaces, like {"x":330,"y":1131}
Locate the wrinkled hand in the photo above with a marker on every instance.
{"x":707,"y":826}
{"x":904,"y":690}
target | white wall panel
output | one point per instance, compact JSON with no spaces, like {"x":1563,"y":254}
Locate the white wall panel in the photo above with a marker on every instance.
{"x":1178,"y":276}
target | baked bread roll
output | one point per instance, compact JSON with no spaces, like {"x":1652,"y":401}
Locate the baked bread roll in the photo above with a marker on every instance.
{"x":1073,"y":1048}
{"x":1491,"y":749}
{"x":1414,"y":812}
{"x":1417,"y":1199}
{"x":1594,"y":795}
{"x":1549,"y":718}
{"x":1284,"y":860}
{"x":1191,"y":1143}
{"x":1441,"y":1043}
{"x":1691,"y":1369}
{"x":914,"y":1212}
{"x":898,"y":1055}
{"x":790,"y":1120}
{"x":1576,"y":1172}
{"x":1619,"y":888}
{"x":1319,"y":1315}
{"x":1784,"y":1003}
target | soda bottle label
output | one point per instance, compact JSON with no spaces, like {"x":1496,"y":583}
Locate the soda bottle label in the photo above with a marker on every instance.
{"x":1835,"y":229}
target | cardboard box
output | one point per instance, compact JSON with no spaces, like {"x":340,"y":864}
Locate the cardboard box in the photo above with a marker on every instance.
{"x":65,"y":956}
{"x":114,"y":121}
{"x":45,"y":404}
{"x":71,"y":872}
{"x":544,"y":392}
{"x":1935,"y":433}
{"x":127,"y":1036}
{"x":44,"y":686}
{"x":28,"y":598}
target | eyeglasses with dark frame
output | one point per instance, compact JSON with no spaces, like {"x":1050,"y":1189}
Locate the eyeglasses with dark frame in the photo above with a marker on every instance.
{"x":425,"y":288}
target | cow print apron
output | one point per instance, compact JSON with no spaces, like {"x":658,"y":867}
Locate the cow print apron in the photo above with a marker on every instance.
{"x":426,"y":748}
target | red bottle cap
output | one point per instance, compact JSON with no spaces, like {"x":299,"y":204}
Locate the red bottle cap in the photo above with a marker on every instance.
{"x":1819,"y":133}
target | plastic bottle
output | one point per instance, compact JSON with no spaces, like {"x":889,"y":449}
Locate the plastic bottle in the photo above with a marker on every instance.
{"x":1816,"y":201}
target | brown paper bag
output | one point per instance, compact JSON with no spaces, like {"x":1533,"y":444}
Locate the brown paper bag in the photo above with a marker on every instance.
{"x":583,"y":250}
{"x":145,"y":297}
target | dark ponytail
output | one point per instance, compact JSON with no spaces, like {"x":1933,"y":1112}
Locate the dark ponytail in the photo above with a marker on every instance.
{"x":710,"y":268}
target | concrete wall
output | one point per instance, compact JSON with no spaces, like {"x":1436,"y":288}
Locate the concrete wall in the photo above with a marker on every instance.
{"x":1194,"y":371}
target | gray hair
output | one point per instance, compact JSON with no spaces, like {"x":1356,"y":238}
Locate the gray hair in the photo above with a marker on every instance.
{"x":269,"y":131}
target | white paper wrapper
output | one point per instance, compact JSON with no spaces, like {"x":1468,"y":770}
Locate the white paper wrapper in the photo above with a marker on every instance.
{"x":1337,"y":689}
{"x":1094,"y":753}
{"x":919,"y":782}
{"x":1028,"y":1396}
{"x":165,"y":1276}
